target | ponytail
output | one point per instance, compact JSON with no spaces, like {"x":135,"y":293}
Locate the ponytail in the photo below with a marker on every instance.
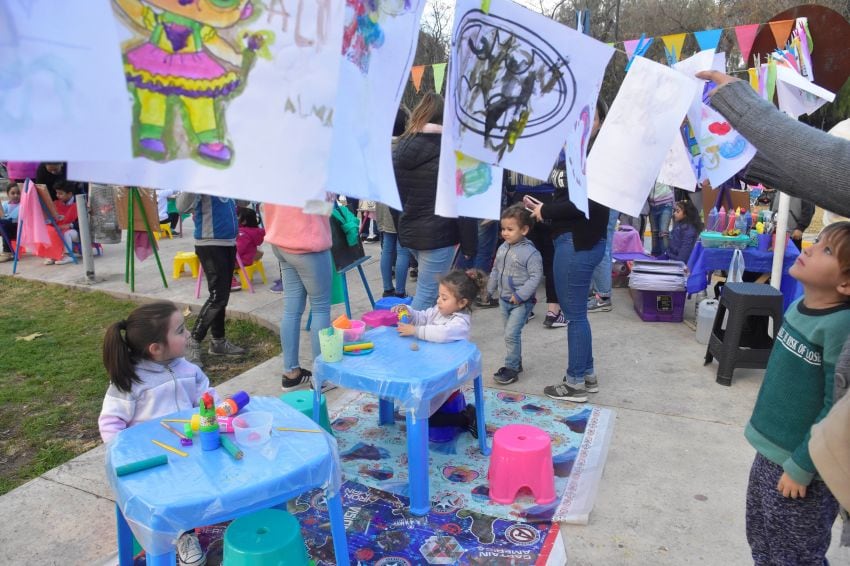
{"x":126,"y":342}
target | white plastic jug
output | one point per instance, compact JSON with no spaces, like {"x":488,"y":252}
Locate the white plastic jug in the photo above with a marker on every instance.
{"x":706,"y":311}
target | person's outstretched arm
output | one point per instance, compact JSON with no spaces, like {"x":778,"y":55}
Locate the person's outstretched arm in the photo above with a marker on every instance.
{"x":792,"y":157}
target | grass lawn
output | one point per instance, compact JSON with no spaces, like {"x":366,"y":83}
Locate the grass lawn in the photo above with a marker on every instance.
{"x":52,"y":387}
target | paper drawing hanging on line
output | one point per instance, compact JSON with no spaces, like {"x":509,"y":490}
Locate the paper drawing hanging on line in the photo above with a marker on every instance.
{"x":365,"y":22}
{"x":520,"y":81}
{"x":188,"y":59}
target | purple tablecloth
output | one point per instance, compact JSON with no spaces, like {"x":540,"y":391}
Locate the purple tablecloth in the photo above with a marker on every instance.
{"x":705,"y":260}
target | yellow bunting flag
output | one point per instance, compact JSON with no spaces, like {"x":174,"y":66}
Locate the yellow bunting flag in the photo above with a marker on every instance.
{"x":439,"y":75}
{"x":673,"y":45}
{"x":781,"y":30}
{"x":416,"y":73}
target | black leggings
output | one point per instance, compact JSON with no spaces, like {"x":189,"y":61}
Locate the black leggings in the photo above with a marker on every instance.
{"x":218,"y":263}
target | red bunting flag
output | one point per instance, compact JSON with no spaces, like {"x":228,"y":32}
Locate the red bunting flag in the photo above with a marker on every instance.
{"x":746,"y":35}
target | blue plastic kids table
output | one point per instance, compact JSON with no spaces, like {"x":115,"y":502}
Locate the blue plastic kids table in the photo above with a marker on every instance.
{"x":204,"y":488}
{"x":395,"y":372}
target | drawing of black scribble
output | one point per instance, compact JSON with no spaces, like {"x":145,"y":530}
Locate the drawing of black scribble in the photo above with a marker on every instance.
{"x":511,"y":83}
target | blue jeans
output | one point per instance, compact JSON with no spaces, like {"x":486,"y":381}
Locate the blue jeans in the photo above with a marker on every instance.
{"x":573,"y":271}
{"x":433,"y":264}
{"x":514,"y":317}
{"x":303,"y":275}
{"x":659,"y":223}
{"x":393,"y":253}
{"x":488,"y":237}
{"x":601,"y":281}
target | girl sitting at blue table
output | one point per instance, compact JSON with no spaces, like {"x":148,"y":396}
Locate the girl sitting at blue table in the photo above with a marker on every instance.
{"x":148,"y":379}
{"x":686,"y":229}
{"x":448,"y":321}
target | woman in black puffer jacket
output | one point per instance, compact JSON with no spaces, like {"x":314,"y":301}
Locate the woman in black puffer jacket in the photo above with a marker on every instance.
{"x":430,"y":238}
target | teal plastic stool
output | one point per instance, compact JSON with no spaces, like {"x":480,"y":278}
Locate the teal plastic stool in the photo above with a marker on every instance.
{"x":302,"y":401}
{"x":270,"y":537}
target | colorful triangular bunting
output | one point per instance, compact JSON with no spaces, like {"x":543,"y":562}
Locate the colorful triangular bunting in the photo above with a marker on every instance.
{"x":746,"y":35}
{"x":673,"y":46}
{"x":708,"y":39}
{"x":630,"y":46}
{"x":416,"y":73}
{"x":781,"y":30}
{"x":439,"y":75}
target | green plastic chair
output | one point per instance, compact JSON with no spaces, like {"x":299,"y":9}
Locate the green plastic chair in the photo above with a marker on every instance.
{"x":302,"y":401}
{"x":270,"y":537}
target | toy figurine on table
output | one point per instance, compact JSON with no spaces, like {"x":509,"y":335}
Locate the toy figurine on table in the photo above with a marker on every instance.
{"x":448,"y":321}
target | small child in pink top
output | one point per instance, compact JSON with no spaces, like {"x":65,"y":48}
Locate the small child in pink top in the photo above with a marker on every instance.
{"x":250,"y":237}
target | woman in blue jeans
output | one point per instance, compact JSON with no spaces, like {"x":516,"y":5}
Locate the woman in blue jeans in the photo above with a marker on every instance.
{"x":579,"y":247}
{"x":431,"y":239}
{"x":301,"y":243}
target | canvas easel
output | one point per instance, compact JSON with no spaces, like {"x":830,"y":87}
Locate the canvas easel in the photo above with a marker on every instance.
{"x":49,"y":212}
{"x":134,"y":199}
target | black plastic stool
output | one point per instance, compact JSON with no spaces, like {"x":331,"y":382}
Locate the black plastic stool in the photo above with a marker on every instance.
{"x":745,"y":343}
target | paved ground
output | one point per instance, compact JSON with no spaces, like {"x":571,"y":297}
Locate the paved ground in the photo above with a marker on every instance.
{"x":673,"y":487}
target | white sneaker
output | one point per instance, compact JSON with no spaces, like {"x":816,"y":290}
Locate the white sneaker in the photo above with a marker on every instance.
{"x":49,"y":261}
{"x":189,"y":551}
{"x":65,"y":259}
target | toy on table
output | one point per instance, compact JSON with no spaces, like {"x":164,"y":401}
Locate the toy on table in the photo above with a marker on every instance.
{"x":210,"y":436}
{"x":403,"y":314}
{"x":232,"y":404}
{"x":358,"y":348}
{"x":184,"y":440}
{"x":231,"y":448}
{"x":147,"y":464}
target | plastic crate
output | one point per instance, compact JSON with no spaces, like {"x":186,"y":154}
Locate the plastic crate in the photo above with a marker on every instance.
{"x":659,"y":306}
{"x":718,"y":240}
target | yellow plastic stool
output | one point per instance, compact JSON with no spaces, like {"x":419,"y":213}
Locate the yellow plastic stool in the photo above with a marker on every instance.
{"x":166,"y":229}
{"x":183,"y":259}
{"x":256,"y":267}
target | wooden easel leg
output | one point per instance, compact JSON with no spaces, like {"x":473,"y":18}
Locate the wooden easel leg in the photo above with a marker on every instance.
{"x":138,"y":197}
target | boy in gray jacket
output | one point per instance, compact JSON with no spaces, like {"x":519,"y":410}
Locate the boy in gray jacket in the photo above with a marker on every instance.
{"x":517,"y":271}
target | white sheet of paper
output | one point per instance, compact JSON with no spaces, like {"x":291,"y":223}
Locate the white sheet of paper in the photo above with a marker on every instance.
{"x":279,"y":127}
{"x":373,"y":75}
{"x":465,"y":185}
{"x":676,"y":169}
{"x":62,"y":95}
{"x":798,"y":96}
{"x":702,"y":61}
{"x":520,"y":83}
{"x":640,"y":128}
{"x":724,"y":150}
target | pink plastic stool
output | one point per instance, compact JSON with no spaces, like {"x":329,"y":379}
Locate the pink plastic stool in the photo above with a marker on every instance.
{"x":522,"y":457}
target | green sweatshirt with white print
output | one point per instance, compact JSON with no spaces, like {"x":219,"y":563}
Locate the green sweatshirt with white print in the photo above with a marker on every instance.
{"x":797,"y":390}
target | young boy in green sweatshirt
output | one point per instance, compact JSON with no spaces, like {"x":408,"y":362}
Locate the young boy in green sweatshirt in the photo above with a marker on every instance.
{"x":790,"y":511}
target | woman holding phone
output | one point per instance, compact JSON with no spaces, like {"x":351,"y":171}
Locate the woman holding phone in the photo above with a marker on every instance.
{"x":579,"y":246}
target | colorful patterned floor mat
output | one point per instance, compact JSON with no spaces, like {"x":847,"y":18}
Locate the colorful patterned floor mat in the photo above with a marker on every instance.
{"x":376,"y":456}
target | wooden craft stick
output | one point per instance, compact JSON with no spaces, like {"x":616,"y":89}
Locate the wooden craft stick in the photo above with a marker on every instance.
{"x":170,"y":448}
{"x":172,"y":429}
{"x":297,"y":429}
{"x":176,"y":420}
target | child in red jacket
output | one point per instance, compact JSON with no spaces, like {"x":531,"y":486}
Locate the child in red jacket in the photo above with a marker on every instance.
{"x":66,"y":218}
{"x":250,"y":237}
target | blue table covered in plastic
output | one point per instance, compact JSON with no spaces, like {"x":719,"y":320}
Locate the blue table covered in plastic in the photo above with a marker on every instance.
{"x":705,"y":260}
{"x":204,"y":488}
{"x":395,"y":372}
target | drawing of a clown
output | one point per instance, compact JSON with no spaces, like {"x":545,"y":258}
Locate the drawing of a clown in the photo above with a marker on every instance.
{"x":185,"y":62}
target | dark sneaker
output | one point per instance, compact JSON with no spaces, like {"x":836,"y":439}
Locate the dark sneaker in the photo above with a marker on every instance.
{"x":550,"y":318}
{"x":189,"y":551}
{"x":372,"y":240}
{"x":564,"y":392}
{"x":414,"y":274}
{"x":559,"y":321}
{"x":591,"y":384}
{"x":530,"y":317}
{"x":506,"y":376}
{"x":471,"y":420}
{"x":489,"y":304}
{"x":390,"y":293}
{"x":599,"y":304}
{"x":302,"y":377}
{"x":223,"y":347}
{"x":193,"y":352}
{"x":277,"y":288}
